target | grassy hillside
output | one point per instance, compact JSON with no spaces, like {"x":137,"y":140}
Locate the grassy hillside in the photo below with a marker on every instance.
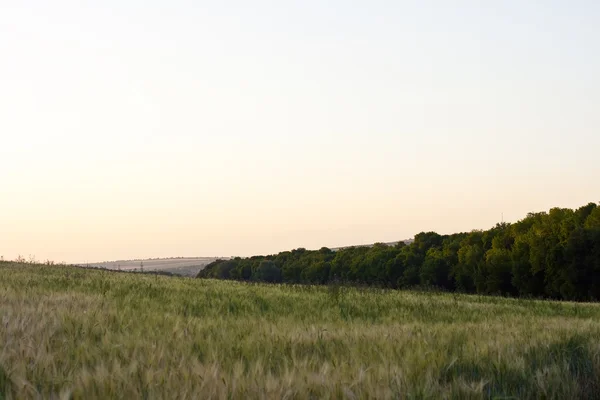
{"x":96,"y":334}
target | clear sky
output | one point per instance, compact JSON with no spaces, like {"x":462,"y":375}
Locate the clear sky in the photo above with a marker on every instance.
{"x":195,"y":128}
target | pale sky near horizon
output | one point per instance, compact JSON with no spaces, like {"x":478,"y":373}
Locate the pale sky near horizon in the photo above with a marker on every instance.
{"x":134,"y":129}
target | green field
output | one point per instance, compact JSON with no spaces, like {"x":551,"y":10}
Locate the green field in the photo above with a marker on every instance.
{"x":73,"y":333}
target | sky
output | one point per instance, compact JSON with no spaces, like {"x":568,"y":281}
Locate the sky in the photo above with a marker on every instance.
{"x":134,"y":129}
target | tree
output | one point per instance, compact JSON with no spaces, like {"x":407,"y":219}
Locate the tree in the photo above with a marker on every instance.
{"x":435,"y":270}
{"x":267,"y":271}
{"x":498,"y":278}
{"x":467,"y":271}
{"x":593,"y":219}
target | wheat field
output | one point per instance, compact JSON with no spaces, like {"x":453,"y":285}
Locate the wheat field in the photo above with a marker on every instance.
{"x":68,"y":332}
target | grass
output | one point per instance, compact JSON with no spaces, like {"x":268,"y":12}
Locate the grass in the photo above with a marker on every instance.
{"x":72,"y":333}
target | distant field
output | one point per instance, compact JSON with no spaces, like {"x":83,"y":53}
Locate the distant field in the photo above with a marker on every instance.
{"x":179,"y":266}
{"x":69,"y":332}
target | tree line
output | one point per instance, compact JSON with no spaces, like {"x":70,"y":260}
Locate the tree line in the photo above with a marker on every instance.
{"x":553,"y":254}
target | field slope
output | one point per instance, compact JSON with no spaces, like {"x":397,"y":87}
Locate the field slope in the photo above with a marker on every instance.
{"x":68,"y":332}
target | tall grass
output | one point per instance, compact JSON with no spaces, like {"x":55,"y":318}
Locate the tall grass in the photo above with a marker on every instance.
{"x":74,"y":333}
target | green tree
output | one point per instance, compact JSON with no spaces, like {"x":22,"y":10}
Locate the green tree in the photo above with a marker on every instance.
{"x":267,"y":271}
{"x":435,"y":270}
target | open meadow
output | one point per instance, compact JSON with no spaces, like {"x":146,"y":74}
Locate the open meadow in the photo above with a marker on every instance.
{"x":69,"y":332}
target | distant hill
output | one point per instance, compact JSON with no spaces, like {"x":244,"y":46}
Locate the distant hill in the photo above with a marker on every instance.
{"x":184,"y":266}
